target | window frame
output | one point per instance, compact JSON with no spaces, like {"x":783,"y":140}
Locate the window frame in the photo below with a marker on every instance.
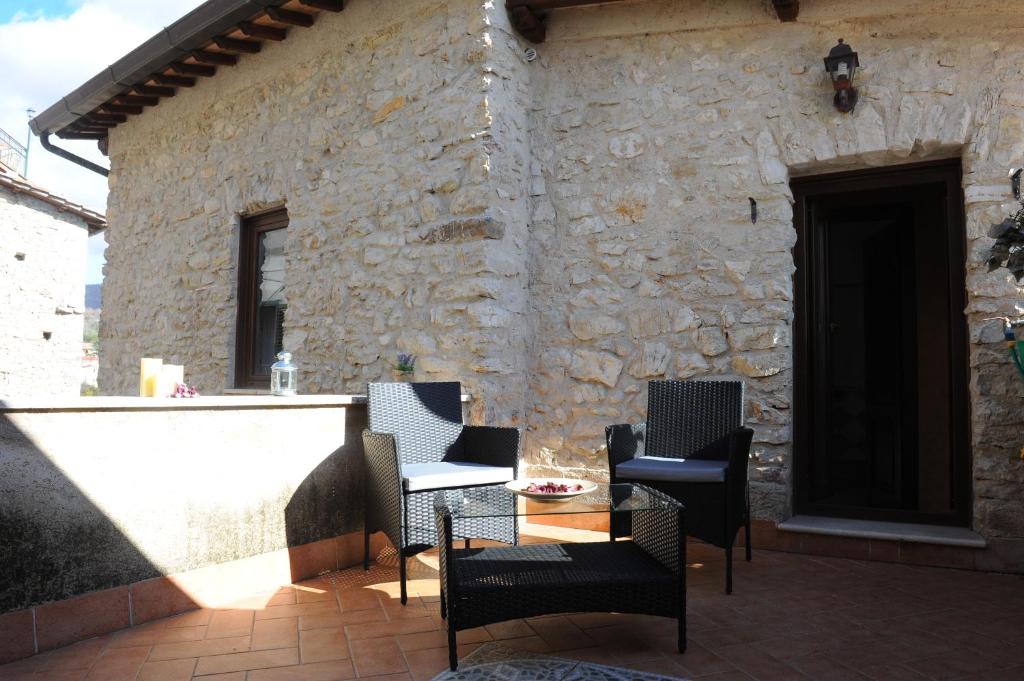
{"x":252,"y":228}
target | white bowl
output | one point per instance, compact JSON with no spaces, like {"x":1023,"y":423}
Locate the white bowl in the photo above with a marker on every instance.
{"x":519,"y":487}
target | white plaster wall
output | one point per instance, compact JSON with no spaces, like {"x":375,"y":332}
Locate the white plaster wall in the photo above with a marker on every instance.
{"x":41,"y":292}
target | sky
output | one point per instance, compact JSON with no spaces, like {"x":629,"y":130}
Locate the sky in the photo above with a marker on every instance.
{"x":47,"y":49}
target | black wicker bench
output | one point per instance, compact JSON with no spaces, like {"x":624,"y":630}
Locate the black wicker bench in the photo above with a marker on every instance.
{"x":644,"y":575}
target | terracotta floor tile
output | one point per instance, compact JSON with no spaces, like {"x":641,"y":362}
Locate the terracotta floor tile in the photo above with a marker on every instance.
{"x":322,"y":645}
{"x":426,"y":664}
{"x":77,"y":656}
{"x":118,"y":664}
{"x":534,"y":644}
{"x":230,"y":676}
{"x":735,"y":675}
{"x":284,"y":596}
{"x":230,"y":623}
{"x":757,"y":664}
{"x":697,"y":660}
{"x":589,"y":620}
{"x":207,"y":647}
{"x":359,"y":599}
{"x":824,"y":668}
{"x":422,"y":641}
{"x":378,"y":629}
{"x":561,"y":633}
{"x":298,"y":610}
{"x":168,"y":670}
{"x":790,"y":617}
{"x":335,"y":670}
{"x":375,"y":656}
{"x":60,"y":675}
{"x":234,"y":662}
{"x":339,"y":619}
{"x":191,"y":619}
{"x":315,"y":593}
{"x":663,"y":666}
{"x":276,"y":633}
{"x":888,"y":672}
{"x":510,"y":629}
{"x":151,"y":636}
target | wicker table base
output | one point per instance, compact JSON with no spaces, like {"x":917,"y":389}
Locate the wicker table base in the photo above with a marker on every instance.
{"x":644,"y":575}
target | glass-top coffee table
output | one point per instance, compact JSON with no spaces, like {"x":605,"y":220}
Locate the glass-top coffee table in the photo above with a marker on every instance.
{"x":644,"y":574}
{"x":499,"y":502}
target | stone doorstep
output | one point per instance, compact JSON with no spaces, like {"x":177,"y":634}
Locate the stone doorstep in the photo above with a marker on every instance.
{"x":873,"y":529}
{"x":60,"y":623}
{"x":905,"y":543}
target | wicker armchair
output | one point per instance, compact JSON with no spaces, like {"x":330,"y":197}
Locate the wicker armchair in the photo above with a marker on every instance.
{"x":417,"y":444}
{"x":694,"y":448}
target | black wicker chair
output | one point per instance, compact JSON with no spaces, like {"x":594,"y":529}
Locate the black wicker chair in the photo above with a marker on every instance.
{"x":694,"y":448}
{"x":416,"y":444}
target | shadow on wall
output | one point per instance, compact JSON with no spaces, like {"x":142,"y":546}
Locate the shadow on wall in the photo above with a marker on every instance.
{"x":315,"y":529}
{"x":56,"y":544}
{"x":140,"y":514}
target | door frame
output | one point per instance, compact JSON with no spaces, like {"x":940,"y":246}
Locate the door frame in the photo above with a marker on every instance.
{"x":950,"y":172}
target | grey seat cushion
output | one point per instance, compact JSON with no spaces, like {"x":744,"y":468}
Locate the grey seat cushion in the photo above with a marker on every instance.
{"x":664,"y":469}
{"x":417,"y":477}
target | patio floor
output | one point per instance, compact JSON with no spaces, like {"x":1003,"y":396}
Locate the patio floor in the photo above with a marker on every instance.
{"x":791,"y":617}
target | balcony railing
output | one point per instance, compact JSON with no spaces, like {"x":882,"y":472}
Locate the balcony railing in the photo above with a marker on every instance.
{"x":12,"y":152}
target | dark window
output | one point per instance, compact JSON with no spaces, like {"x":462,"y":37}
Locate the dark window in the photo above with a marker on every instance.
{"x":261,"y":297}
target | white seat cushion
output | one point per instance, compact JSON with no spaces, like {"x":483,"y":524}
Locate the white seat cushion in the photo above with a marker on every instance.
{"x":417,"y":477}
{"x":665,"y":469}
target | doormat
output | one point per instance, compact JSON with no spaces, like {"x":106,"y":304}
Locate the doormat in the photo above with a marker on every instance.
{"x":497,"y":662}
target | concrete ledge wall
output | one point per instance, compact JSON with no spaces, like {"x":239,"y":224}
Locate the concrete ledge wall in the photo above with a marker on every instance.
{"x":96,"y":495}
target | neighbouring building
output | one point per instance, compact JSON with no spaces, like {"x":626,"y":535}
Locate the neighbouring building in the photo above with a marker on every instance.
{"x":42,"y":288}
{"x":648,"y":189}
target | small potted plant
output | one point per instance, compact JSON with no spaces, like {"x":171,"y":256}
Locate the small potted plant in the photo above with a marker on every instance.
{"x":405,"y":367}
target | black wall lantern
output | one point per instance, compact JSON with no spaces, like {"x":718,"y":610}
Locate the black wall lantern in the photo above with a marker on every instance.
{"x":841,"y":64}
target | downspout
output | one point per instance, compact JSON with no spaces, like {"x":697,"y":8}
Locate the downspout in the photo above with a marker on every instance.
{"x":44,"y":139}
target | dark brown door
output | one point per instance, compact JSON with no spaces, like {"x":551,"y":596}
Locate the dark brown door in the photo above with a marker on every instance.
{"x":880,"y":384}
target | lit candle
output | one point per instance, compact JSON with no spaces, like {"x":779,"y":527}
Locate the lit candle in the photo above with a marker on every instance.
{"x":149,"y":373}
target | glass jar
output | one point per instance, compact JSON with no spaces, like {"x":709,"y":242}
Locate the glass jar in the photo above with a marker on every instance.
{"x":284,"y":376}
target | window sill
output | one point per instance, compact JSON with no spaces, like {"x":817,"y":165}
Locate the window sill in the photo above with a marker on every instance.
{"x":873,"y":529}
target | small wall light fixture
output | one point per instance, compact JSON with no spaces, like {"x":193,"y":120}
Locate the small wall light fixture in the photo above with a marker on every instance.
{"x":841,"y":65}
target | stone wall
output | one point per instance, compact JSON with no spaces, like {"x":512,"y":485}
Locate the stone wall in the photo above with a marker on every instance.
{"x":375,"y":128}
{"x":555,"y":233}
{"x":653,"y":125}
{"x":42,"y":295}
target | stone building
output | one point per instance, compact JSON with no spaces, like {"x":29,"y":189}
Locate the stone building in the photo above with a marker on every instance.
{"x":42,"y":288}
{"x":650,"y":192}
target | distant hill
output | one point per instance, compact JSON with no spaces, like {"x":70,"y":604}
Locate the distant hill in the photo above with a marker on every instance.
{"x":93,"y":296}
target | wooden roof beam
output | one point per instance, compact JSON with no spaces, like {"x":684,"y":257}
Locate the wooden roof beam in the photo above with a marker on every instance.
{"x":131,"y":109}
{"x":328,"y":5}
{"x":171,"y":79}
{"x":219,"y":58}
{"x":186,"y":69}
{"x":528,"y":16}
{"x":260,"y":31}
{"x":138,"y":100}
{"x":100,"y":117}
{"x":787,"y":10}
{"x":527,"y":24}
{"x":290,"y":17}
{"x":91,"y":122}
{"x":73,"y":135}
{"x":237,"y":45}
{"x":154,"y":90}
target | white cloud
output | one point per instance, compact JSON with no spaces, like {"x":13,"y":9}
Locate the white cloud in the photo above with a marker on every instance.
{"x":43,"y":58}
